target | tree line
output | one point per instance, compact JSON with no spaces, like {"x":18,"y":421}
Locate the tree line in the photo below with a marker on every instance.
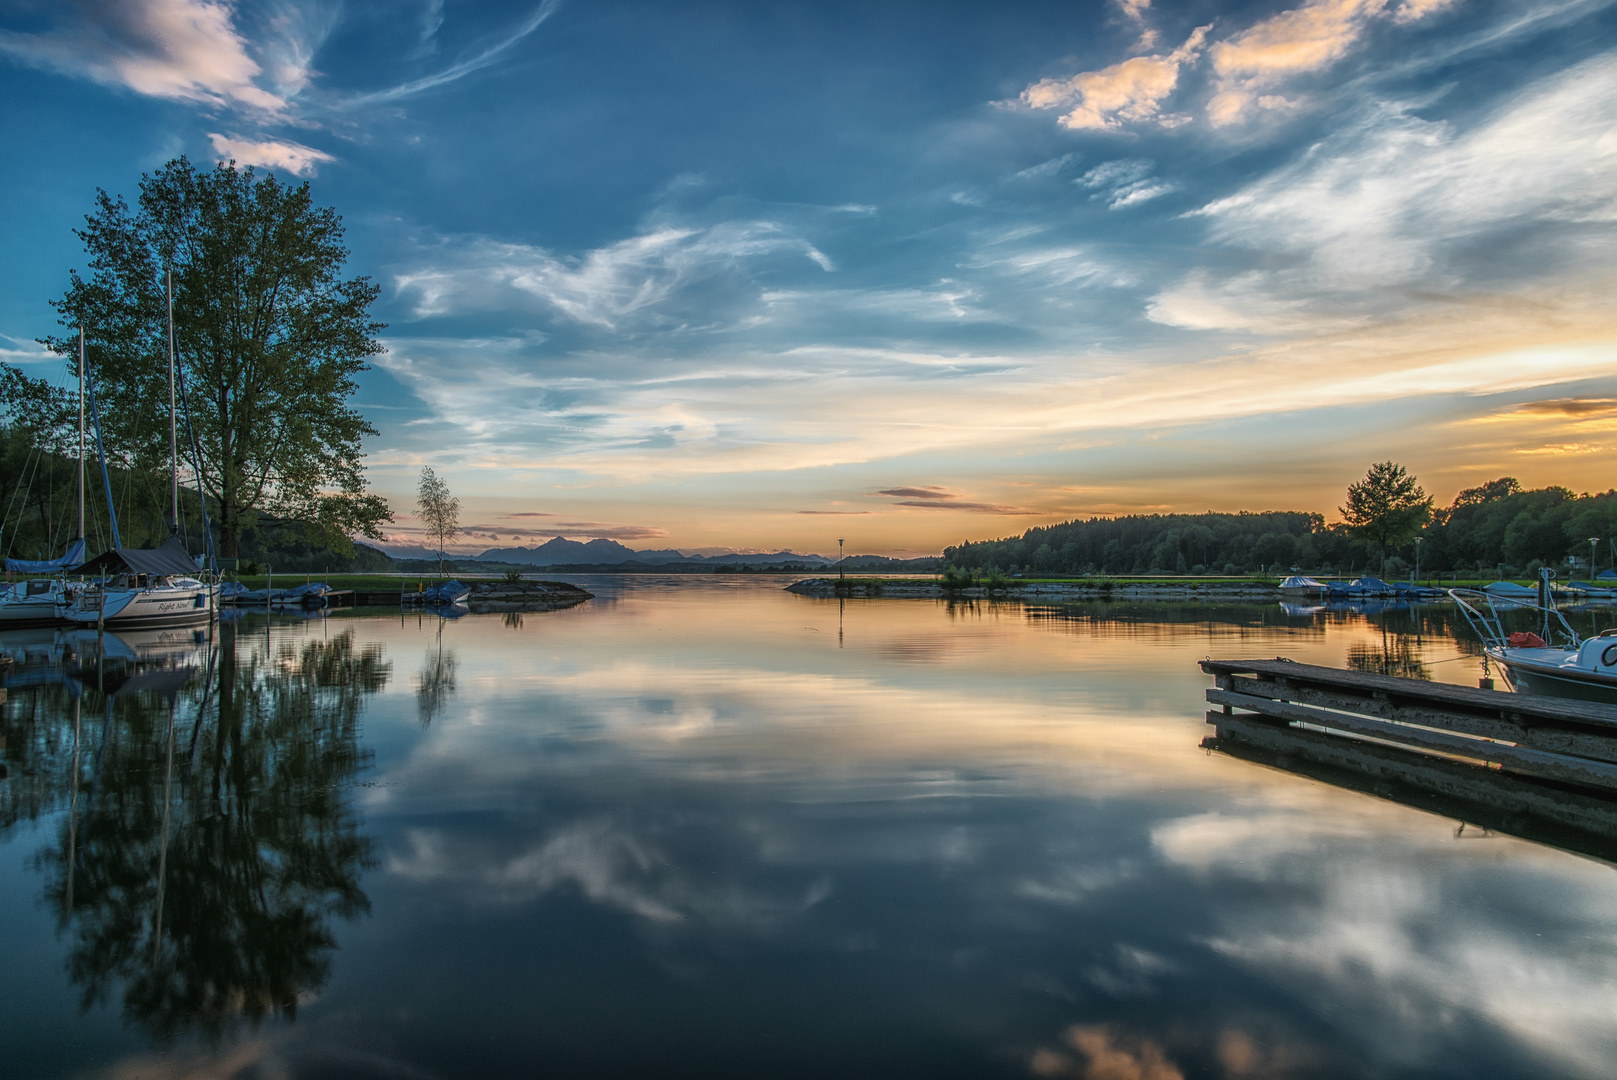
{"x":1497,"y":527}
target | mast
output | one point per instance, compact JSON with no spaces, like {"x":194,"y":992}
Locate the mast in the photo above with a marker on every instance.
{"x":173,"y":439}
{"x":81,"y":433}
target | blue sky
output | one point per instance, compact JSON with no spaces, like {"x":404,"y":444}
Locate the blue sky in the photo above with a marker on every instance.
{"x":760,"y":275}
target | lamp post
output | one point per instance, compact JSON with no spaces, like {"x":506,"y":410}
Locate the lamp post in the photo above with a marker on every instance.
{"x":1418,"y":539}
{"x":1594,"y":542}
{"x":842,"y":571}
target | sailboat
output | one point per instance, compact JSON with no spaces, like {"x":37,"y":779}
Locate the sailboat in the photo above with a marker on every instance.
{"x":37,"y":601}
{"x":146,"y":587}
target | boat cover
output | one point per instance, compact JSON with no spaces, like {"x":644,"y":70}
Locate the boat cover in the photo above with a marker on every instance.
{"x":74,"y":556}
{"x":1508,"y":588}
{"x":1606,"y":575}
{"x":168,"y":558}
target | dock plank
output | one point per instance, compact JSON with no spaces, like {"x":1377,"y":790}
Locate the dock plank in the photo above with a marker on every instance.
{"x":1401,"y":691}
{"x":1525,"y":760}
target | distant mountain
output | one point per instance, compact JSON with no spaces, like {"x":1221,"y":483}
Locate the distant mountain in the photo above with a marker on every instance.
{"x":563,"y":552}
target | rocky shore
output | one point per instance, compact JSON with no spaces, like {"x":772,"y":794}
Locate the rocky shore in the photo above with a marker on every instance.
{"x":524,"y":596}
{"x":1037,"y":591}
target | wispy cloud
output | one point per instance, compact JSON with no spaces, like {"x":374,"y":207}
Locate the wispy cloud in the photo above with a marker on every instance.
{"x":462,"y":68}
{"x":918,"y":493}
{"x":1124,"y":183}
{"x":1396,"y":202}
{"x":630,"y":279}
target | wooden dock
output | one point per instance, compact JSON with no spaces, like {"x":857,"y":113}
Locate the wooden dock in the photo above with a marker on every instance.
{"x":1531,"y":766}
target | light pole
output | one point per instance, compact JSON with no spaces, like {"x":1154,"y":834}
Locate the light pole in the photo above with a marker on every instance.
{"x":1594,"y":542}
{"x":842,"y":571}
{"x":1418,"y":539}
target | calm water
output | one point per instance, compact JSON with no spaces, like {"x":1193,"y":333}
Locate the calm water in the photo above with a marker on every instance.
{"x":705,"y":827}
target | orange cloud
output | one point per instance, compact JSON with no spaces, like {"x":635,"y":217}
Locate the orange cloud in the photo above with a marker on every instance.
{"x":1132,"y":91}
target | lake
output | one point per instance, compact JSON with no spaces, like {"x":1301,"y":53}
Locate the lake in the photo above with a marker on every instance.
{"x":704,"y":827}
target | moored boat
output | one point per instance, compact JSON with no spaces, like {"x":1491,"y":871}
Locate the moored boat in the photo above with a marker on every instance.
{"x":1549,"y":658}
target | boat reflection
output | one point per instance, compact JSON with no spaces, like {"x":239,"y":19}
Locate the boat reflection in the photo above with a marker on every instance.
{"x":1574,"y":819}
{"x":209,"y":838}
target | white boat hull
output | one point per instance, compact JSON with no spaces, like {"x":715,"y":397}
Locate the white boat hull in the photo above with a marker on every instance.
{"x":128,"y":609}
{"x":1545,"y":677}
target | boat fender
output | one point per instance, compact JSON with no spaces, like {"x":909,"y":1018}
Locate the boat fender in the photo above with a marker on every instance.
{"x":1609,"y":656}
{"x":1522,"y":639}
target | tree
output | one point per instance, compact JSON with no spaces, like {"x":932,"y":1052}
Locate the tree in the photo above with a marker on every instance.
{"x":269,"y":337}
{"x":440,"y":511}
{"x":1387,"y":507}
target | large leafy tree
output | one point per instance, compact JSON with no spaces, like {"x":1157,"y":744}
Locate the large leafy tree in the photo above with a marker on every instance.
{"x":269,"y":335}
{"x":1387,"y":507}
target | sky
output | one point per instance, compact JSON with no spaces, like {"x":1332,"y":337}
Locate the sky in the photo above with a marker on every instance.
{"x":756,"y":276}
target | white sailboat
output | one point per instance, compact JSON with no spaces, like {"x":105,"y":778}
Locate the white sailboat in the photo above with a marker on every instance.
{"x":38,"y":601}
{"x":147,"y":587}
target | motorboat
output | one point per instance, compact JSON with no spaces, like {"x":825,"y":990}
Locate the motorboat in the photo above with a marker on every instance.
{"x":1588,"y":590}
{"x":1365,"y":586}
{"x":1302,"y":585}
{"x":445,"y":595}
{"x":1537,"y":649}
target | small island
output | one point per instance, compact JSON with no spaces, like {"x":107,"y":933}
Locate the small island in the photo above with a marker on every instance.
{"x":524,"y":596}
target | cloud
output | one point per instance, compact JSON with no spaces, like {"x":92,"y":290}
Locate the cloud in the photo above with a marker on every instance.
{"x":1129,"y":92}
{"x":937,"y":498}
{"x":529,"y":514}
{"x":183,"y":50}
{"x":462,"y":68}
{"x":629,"y":280}
{"x":1304,"y":39}
{"x":1106,"y":1055}
{"x":966,"y":507}
{"x":600,"y":531}
{"x":1123,"y":183}
{"x":836,"y":513}
{"x":1395,"y":210}
{"x":1568,"y":407}
{"x":295,"y":158}
{"x":918,"y":493}
{"x":1247,"y":68}
{"x":431,"y":20}
{"x":1414,"y":10}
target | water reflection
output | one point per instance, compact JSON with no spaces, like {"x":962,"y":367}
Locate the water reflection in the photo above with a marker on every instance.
{"x":732,"y":832}
{"x":209,"y":839}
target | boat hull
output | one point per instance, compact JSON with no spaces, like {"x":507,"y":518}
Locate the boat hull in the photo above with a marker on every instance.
{"x":146,"y":608}
{"x":1543,"y":680}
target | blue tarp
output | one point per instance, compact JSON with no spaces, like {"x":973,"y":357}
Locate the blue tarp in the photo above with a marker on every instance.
{"x":74,"y":557}
{"x":1606,"y":575}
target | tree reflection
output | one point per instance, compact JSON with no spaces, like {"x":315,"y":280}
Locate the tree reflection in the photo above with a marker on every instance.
{"x":205,"y":888}
{"x":435,"y":684}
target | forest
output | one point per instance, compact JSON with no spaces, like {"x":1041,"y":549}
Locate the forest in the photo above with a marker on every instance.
{"x":1496,"y":528}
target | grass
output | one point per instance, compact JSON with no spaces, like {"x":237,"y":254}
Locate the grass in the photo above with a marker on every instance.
{"x":366,"y":582}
